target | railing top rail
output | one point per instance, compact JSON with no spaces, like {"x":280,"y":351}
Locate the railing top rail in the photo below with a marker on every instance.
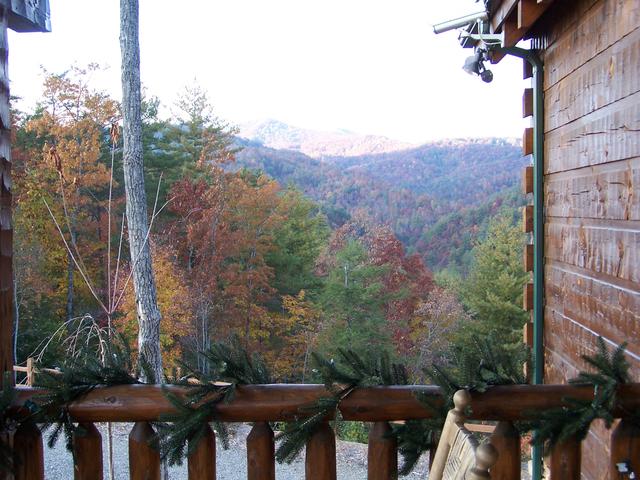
{"x":282,"y":402}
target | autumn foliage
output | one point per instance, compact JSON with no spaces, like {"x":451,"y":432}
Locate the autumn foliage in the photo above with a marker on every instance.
{"x":235,"y":253}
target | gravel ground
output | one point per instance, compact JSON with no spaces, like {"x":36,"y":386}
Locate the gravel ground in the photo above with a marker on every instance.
{"x":231,"y":464}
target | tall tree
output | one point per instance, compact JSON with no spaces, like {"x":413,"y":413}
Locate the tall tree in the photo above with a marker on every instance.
{"x":136,"y":201}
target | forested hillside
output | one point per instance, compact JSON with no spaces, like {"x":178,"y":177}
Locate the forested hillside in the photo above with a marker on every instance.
{"x":436,"y":197}
{"x":287,"y":253}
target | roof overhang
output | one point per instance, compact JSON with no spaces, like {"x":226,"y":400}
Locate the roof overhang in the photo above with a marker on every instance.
{"x":28,"y":15}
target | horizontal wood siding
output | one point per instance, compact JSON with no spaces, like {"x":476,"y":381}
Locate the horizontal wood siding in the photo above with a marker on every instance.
{"x":592,"y":191}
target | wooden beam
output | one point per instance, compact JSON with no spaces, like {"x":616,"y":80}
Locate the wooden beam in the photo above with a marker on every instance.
{"x":529,"y":11}
{"x":512,"y":34}
{"x":6,"y":229}
{"x":528,"y":257}
{"x":527,"y":102}
{"x":252,"y":403}
{"x":527,"y":297}
{"x":501,"y":14}
{"x":527,"y":334}
{"x":527,"y":141}
{"x":527,"y":180}
{"x":527,"y":219}
{"x":527,"y":69}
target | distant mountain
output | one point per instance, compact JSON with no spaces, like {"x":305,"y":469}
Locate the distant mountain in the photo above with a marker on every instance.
{"x":317,"y":144}
{"x":437,"y":197}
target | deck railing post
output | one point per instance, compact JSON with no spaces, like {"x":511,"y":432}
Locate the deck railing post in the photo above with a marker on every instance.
{"x":382,"y":458}
{"x":565,"y":460}
{"x":320,"y":461}
{"x":28,"y":453}
{"x":87,"y":452}
{"x":261,"y":453}
{"x":625,"y":449}
{"x":202,"y":462}
{"x":506,"y":440}
{"x":144,"y":460}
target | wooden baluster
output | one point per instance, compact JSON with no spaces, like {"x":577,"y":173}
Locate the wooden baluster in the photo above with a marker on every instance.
{"x":202,"y":462}
{"x":506,"y":440}
{"x":625,"y":449}
{"x":28,"y":453}
{"x":261,"y":453}
{"x":382,"y":461}
{"x":565,"y":460}
{"x":144,"y":460}
{"x":320,"y":462}
{"x":87,"y":450}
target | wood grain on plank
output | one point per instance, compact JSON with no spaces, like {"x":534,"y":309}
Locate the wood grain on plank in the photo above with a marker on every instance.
{"x":87,"y":453}
{"x":144,"y":460}
{"x":261,"y":453}
{"x":506,"y":440}
{"x":599,"y":305}
{"x":565,"y":460}
{"x":382,"y":454}
{"x":625,"y":446}
{"x":603,"y":247}
{"x":604,"y":79}
{"x":320,"y":458}
{"x":202,"y":461}
{"x":570,"y":340}
{"x":608,"y":191}
{"x":28,"y":453}
{"x":606,"y":135}
{"x":590,"y":32}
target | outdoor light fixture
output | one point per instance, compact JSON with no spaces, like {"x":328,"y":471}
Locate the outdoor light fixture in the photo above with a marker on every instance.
{"x":474,"y":65}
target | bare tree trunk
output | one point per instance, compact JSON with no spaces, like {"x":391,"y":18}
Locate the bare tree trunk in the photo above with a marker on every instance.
{"x":70,"y":287}
{"x":136,"y":201}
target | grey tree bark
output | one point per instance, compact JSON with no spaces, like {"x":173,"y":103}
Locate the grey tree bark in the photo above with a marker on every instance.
{"x":136,"y":201}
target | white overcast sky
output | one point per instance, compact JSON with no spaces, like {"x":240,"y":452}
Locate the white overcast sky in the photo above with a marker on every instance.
{"x":369,"y":66}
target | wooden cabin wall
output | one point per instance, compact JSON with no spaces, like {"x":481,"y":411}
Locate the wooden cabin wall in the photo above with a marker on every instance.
{"x":591,"y":51}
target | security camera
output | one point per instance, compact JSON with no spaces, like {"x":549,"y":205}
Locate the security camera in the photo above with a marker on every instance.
{"x":474,"y":65}
{"x":460,"y":22}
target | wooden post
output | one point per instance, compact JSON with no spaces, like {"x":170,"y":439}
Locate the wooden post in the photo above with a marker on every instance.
{"x":527,"y":297}
{"x":527,"y":218}
{"x":28,"y":453}
{"x":30,"y":371}
{"x":202,"y":462}
{"x":144,"y":460}
{"x":320,"y":462}
{"x":382,"y":459}
{"x":527,"y":142}
{"x":261,"y":453}
{"x":527,"y":103}
{"x":87,"y":450}
{"x":625,"y":449}
{"x":527,"y":259}
{"x":506,"y":441}
{"x":565,"y":460}
{"x":6,"y":232}
{"x":527,"y":180}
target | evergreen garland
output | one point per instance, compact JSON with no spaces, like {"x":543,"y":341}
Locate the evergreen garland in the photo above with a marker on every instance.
{"x":476,"y":369}
{"x":180,"y":433}
{"x":76,"y":377}
{"x":574,"y":420}
{"x":341,"y":379}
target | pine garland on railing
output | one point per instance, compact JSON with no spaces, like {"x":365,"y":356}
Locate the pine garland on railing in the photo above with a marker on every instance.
{"x":227,"y":366}
{"x":341,"y":378}
{"x":478,"y":368}
{"x":611,"y":370}
{"x":76,"y":377}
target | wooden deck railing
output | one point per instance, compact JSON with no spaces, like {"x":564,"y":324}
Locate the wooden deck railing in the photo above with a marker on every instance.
{"x":142,"y":404}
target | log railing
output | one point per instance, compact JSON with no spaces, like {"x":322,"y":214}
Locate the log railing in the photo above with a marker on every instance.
{"x":142,"y":404}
